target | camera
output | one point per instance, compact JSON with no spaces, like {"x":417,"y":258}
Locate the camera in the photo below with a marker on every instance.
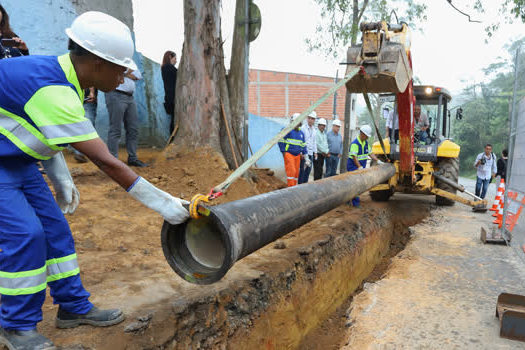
{"x":482,"y":161}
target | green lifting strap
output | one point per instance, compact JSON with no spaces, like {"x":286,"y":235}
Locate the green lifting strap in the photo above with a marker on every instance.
{"x":255,"y":157}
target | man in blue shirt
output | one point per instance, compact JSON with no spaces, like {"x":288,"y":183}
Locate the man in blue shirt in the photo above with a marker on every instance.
{"x":335,"y":148}
{"x":41,"y":113}
{"x":359,"y":153}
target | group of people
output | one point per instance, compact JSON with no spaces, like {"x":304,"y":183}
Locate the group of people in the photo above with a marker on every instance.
{"x":42,"y":111}
{"x":306,"y":146}
{"x":489,"y":167}
{"x":309,"y":146}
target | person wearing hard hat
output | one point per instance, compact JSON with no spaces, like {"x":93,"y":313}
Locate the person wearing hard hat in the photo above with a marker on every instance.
{"x":335,"y":148}
{"x":359,"y":153}
{"x":41,"y":112}
{"x":293,"y":147}
{"x":309,"y":132}
{"x":322,"y":149}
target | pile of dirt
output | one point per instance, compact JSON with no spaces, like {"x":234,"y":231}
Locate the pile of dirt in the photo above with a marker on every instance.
{"x":118,"y":239}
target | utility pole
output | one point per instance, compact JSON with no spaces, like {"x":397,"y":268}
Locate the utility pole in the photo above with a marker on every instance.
{"x":346,"y":138}
{"x":246,"y":155}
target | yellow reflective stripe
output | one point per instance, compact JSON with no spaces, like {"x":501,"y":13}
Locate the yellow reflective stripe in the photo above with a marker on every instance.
{"x":71,"y":74}
{"x":73,"y":139}
{"x":63,"y":259}
{"x":62,"y":275}
{"x":23,"y":282}
{"x":24,"y":123}
{"x":67,"y":130}
{"x":23,"y":273}
{"x":55,"y":105}
{"x":21,"y":145}
{"x":23,"y":291}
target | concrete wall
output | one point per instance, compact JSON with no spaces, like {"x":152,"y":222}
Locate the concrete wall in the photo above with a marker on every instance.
{"x":42,"y":23}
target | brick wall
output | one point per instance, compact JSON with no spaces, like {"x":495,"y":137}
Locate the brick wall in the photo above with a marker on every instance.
{"x":280,"y":94}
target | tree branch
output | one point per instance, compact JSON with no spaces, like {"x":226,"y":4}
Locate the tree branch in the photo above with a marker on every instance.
{"x":365,"y":4}
{"x":463,"y":13}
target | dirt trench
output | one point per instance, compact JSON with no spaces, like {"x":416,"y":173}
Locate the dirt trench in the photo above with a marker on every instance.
{"x":276,"y":298}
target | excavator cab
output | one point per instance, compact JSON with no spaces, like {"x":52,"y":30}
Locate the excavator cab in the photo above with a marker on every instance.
{"x":435,"y":142}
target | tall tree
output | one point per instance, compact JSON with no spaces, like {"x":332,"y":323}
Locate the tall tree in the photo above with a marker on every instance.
{"x":202,"y":92}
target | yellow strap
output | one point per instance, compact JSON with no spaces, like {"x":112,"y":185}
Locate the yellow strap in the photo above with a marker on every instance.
{"x":194,"y":204}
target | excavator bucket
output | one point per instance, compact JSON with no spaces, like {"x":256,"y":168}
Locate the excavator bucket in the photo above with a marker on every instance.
{"x":385,"y":61}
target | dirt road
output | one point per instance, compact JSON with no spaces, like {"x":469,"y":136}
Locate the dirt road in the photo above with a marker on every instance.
{"x":441,"y":291}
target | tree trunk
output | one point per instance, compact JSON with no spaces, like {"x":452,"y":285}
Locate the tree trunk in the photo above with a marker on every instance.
{"x":201,"y":80}
{"x":236,"y":76}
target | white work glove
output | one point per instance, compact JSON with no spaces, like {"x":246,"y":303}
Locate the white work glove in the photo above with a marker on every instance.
{"x":66,"y":193}
{"x":307,"y":162}
{"x":163,"y":203}
{"x":379,"y":162}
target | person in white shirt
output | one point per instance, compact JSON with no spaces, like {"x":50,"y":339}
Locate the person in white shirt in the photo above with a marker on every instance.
{"x":392,"y":126}
{"x":122,"y":108}
{"x":486,"y":169}
{"x":309,"y":132}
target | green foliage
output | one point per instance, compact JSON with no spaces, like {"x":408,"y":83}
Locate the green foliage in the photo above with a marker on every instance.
{"x":486,"y":109}
{"x":340,"y":20}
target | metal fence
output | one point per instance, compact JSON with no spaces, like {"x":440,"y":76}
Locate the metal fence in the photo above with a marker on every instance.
{"x":513,"y":223}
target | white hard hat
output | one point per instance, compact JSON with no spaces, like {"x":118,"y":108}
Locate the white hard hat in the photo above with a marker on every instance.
{"x":337,"y":122}
{"x":295,"y":116}
{"x":322,"y":121}
{"x":104,"y":36}
{"x":367,"y":130}
{"x":312,"y":115}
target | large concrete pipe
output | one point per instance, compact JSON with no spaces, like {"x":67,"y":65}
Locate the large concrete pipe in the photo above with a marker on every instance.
{"x":202,"y":251}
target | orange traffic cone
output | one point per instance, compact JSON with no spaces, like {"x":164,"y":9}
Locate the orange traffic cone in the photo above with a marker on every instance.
{"x":499,"y":217}
{"x":499,"y":196}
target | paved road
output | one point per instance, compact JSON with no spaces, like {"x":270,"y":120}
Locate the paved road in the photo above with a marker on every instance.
{"x":441,"y":291}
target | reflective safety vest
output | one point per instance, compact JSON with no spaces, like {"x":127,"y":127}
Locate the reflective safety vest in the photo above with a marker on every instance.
{"x":359,"y":149}
{"x":293,"y":143}
{"x":41,"y":107}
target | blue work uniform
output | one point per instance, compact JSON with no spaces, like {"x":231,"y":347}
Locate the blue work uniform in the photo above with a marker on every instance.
{"x":40,"y":113}
{"x":361,"y":150}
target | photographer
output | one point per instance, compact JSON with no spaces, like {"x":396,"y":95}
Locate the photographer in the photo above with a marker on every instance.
{"x":486,"y":169}
{"x":10,"y":44}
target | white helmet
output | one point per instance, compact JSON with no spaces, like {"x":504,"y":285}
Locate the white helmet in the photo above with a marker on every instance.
{"x":104,"y":36}
{"x":322,"y":121}
{"x":312,"y":115}
{"x":295,"y":116}
{"x":337,"y":122}
{"x":367,"y":130}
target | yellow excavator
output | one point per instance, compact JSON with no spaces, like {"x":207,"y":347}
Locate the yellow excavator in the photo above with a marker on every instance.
{"x":426,"y":161}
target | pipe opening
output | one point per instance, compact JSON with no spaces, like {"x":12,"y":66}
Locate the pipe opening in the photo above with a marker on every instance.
{"x":205,"y":244}
{"x":196,"y":250}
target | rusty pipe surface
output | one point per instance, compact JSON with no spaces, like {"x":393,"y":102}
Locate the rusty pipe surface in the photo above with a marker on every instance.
{"x":203,"y":250}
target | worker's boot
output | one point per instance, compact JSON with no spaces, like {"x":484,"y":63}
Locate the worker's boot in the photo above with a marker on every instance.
{"x":24,"y":340}
{"x":95,"y":317}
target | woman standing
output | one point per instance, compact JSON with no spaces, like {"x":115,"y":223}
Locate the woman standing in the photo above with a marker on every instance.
{"x":169,"y":77}
{"x":10,"y":44}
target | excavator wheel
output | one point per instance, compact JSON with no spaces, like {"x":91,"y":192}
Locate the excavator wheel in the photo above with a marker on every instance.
{"x":449,"y":168}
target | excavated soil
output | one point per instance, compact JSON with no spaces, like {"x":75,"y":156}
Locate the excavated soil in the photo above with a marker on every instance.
{"x":272,"y":299}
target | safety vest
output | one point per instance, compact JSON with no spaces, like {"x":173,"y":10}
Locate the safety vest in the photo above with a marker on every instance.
{"x":41,"y":107}
{"x":359,"y":149}
{"x":293,"y":143}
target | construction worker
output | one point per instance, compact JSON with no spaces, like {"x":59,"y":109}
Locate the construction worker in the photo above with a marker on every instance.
{"x":309,"y":132}
{"x":40,"y":113}
{"x":322,"y":149}
{"x":293,"y":149}
{"x":359,"y":153}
